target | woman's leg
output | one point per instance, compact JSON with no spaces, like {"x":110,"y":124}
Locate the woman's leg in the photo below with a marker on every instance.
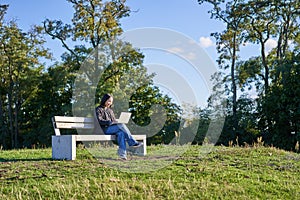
{"x":115,"y":130}
{"x":127,"y":135}
{"x":121,"y":143}
{"x":123,"y":135}
{"x":112,"y":130}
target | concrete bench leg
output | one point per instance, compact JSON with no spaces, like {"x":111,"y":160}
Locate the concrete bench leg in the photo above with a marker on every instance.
{"x":64,"y":147}
{"x":144,"y":152}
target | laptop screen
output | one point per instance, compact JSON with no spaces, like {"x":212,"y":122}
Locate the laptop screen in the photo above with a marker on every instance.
{"x":124,"y":117}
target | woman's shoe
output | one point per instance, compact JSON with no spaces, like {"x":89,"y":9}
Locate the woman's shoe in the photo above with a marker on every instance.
{"x":123,"y":157}
{"x":139,"y":144}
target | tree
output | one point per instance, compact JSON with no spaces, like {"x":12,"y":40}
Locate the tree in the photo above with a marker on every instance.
{"x":228,"y":43}
{"x":268,"y":20}
{"x":273,"y":72}
{"x":52,"y":97}
{"x":104,"y":63}
{"x":20,"y":66}
{"x":94,"y":22}
{"x":261,"y":27}
{"x":284,"y":104}
{"x":96,"y":25}
{"x":3,"y":130}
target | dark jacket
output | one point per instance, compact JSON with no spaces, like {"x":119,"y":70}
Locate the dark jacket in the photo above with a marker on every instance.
{"x":105,"y":116}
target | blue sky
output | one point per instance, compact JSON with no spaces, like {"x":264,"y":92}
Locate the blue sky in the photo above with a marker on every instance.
{"x":184,"y":16}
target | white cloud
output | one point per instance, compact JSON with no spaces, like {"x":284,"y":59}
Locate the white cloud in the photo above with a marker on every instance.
{"x":176,"y":50}
{"x":270,"y":44}
{"x":182,"y":52}
{"x":206,"y":42}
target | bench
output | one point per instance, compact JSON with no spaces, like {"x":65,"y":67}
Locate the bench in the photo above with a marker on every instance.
{"x":64,"y":146}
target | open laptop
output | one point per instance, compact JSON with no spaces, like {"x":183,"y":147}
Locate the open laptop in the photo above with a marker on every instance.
{"x":124,"y":117}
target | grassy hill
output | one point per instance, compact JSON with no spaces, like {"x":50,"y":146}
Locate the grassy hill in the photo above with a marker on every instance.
{"x":224,"y":173}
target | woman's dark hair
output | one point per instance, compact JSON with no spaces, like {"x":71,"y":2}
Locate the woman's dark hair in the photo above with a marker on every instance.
{"x":104,"y":99}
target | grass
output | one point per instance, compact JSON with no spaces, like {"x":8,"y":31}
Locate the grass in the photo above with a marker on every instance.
{"x":224,"y":173}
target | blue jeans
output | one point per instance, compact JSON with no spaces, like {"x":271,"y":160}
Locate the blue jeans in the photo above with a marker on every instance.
{"x":123,"y":135}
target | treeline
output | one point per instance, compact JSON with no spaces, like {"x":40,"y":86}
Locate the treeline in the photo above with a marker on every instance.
{"x":31,"y":92}
{"x":274,"y":112}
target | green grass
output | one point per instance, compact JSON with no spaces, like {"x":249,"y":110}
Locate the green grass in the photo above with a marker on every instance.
{"x":224,"y":173}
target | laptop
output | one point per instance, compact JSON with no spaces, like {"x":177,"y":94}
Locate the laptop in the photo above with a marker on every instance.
{"x":124,"y":117}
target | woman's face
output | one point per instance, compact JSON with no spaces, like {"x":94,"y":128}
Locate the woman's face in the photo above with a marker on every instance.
{"x":109,"y":102}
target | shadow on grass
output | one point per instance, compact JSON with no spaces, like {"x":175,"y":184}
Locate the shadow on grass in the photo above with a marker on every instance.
{"x":11,"y":179}
{"x":2,"y":160}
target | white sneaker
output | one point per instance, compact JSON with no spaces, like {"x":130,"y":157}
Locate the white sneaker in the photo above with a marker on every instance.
{"x":139,"y":144}
{"x":123,"y":157}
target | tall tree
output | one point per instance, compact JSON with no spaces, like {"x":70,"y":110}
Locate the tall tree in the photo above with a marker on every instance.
{"x":288,"y":30}
{"x":261,"y":27}
{"x":50,"y":97}
{"x":273,"y":72}
{"x":96,"y":25}
{"x":3,"y":130}
{"x":228,"y":44}
{"x":20,"y":54}
{"x":283,"y":103}
{"x":268,"y":21}
{"x":94,"y":22}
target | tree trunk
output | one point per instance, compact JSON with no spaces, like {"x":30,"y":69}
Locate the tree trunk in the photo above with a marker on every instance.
{"x":10,"y":107}
{"x":265,"y":64}
{"x":2,"y":128}
{"x":10,"y":116}
{"x":16,"y":130}
{"x":234,"y":89}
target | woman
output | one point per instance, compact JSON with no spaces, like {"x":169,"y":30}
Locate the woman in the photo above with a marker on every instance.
{"x":108,"y":123}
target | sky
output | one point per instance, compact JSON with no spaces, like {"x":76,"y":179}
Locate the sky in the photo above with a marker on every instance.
{"x":186,"y":17}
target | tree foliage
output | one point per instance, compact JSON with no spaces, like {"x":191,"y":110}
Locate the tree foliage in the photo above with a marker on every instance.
{"x":228,"y":45}
{"x":21,"y":70}
{"x":106,"y":62}
{"x":31,"y":93}
{"x":273,"y":72}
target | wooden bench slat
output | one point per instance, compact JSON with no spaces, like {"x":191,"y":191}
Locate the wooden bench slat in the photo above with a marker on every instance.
{"x":74,"y":125}
{"x":73,"y":119}
{"x":104,"y":137}
{"x":95,"y":137}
